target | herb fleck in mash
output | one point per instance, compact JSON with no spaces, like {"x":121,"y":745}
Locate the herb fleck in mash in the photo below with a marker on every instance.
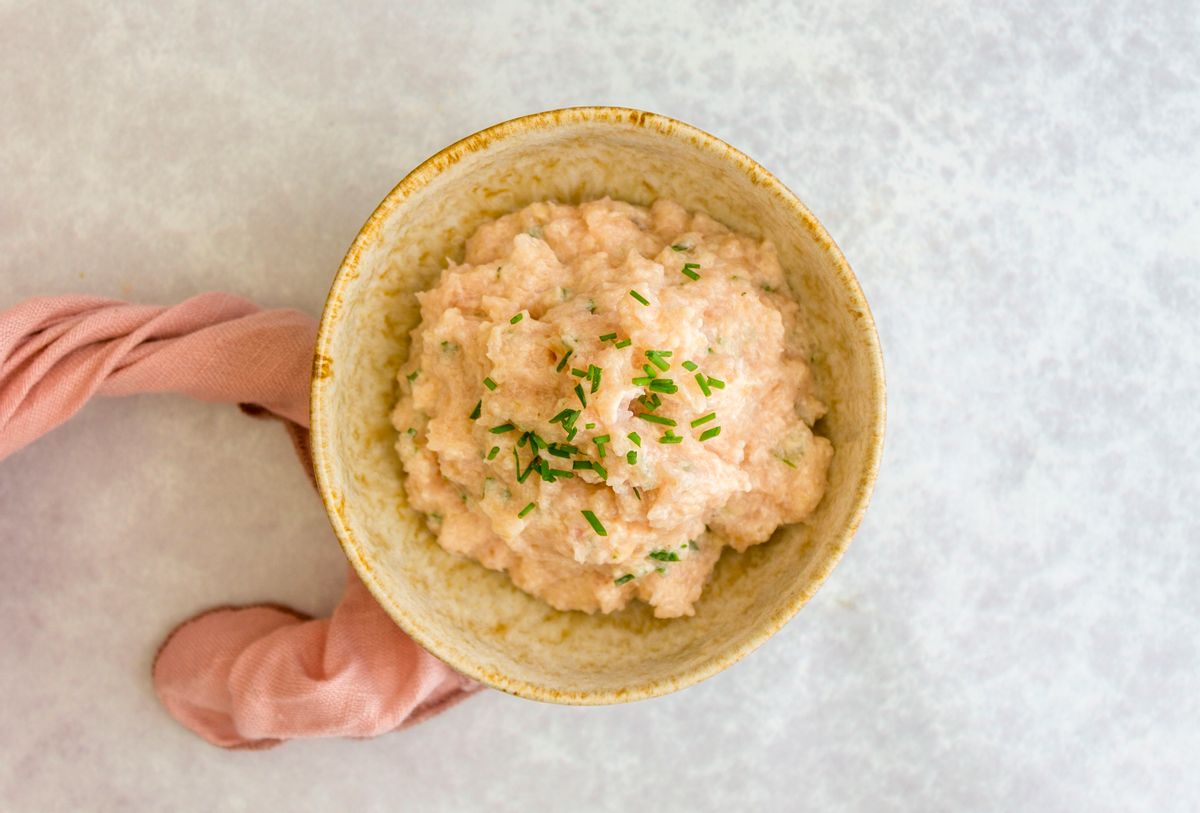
{"x":602,"y":397}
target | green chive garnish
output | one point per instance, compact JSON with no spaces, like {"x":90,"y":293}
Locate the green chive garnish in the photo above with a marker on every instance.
{"x":579,"y":392}
{"x":651,"y":403}
{"x":637,"y":492}
{"x":516,"y":318}
{"x":600,"y":440}
{"x":642,"y":381}
{"x":663,"y":556}
{"x":703,"y":419}
{"x":709,"y":434}
{"x":578,"y":373}
{"x":566,"y":413}
{"x":492,"y":454}
{"x":411,"y":376}
{"x":589,"y":425}
{"x":552,"y":473}
{"x":580,"y":465}
{"x":716,"y":382}
{"x":635,"y":438}
{"x":639,"y":297}
{"x":631,"y":458}
{"x":657,"y":358}
{"x":603,"y":472}
{"x":489,"y":383}
{"x":652,"y":419}
{"x":623,"y":343}
{"x":595,"y":523}
{"x":664,"y":385}
{"x":790,"y":463}
{"x":628,"y":577}
{"x":594,"y":376}
{"x":476,"y":411}
{"x":689,"y":270}
{"x":703,"y":384}
{"x":650,"y":371}
{"x":690,"y":366}
{"x":671,"y":437}
{"x":678,"y":247}
{"x":525,"y":510}
{"x":563,"y":362}
{"x":536,"y":440}
{"x":502,"y":428}
{"x":521,"y":441}
{"x":558,"y":450}
{"x":607,"y":337}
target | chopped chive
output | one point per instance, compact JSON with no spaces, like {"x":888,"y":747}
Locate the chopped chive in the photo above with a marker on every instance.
{"x":663,"y":556}
{"x":680,"y":247}
{"x":536,"y":441}
{"x":716,"y":382}
{"x":709,"y":434}
{"x":571,"y":433}
{"x":566,"y":413}
{"x":637,"y":492}
{"x":558,"y":450}
{"x":690,"y":366}
{"x":489,"y":383}
{"x":516,"y":318}
{"x":671,"y":437}
{"x":563,"y":362}
{"x":631,"y":458}
{"x":657,"y":358}
{"x":589,"y":425}
{"x":492,"y":454}
{"x":412,"y":376}
{"x":552,"y":473}
{"x":579,"y":392}
{"x":411,"y":431}
{"x":664,"y":385}
{"x":651,"y":403}
{"x":635,"y":438}
{"x":642,"y":381}
{"x":639,"y":297}
{"x":703,"y":384}
{"x":600,"y":440}
{"x":790,"y":463}
{"x":521,"y":441}
{"x":476,"y":411}
{"x":595,"y":523}
{"x":654,"y":419}
{"x":607,"y":337}
{"x":593,"y":375}
{"x":628,"y":577}
{"x":703,"y":419}
{"x":525,"y":510}
{"x":580,"y":465}
{"x":578,"y":373}
{"x":623,"y":343}
{"x":502,"y":428}
{"x":689,"y":270}
{"x":650,"y":371}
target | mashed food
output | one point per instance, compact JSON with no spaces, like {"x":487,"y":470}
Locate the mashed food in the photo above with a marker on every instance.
{"x":601,"y":397}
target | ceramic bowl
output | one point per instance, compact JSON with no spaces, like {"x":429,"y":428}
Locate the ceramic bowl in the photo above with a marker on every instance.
{"x":475,"y":619}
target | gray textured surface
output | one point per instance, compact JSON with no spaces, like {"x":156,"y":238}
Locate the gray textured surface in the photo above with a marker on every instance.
{"x":1018,"y":188}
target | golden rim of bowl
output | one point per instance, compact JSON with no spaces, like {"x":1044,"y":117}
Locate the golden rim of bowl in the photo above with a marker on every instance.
{"x":419,"y":178}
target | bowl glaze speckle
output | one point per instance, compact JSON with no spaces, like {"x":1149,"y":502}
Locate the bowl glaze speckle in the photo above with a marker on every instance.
{"x":472,"y":618}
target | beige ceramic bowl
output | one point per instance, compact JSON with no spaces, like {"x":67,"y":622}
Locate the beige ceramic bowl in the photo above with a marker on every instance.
{"x":473,"y":618}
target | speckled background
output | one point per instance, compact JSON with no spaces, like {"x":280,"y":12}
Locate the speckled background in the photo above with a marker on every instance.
{"x":1016,"y":626}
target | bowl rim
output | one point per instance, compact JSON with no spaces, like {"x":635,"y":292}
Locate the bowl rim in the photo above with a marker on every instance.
{"x":420,"y":177}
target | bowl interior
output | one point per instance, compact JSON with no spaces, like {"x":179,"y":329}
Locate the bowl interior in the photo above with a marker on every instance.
{"x":473,"y":618}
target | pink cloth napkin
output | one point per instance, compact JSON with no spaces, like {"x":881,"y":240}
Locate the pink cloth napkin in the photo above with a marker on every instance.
{"x":247,"y":677}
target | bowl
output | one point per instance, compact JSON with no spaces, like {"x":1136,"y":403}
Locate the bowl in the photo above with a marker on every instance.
{"x":472,"y":618}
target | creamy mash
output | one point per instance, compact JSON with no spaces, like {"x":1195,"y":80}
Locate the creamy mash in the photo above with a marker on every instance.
{"x":602,"y":397}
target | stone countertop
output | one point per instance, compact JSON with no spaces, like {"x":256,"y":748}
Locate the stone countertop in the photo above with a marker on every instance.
{"x":1016,"y":625}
